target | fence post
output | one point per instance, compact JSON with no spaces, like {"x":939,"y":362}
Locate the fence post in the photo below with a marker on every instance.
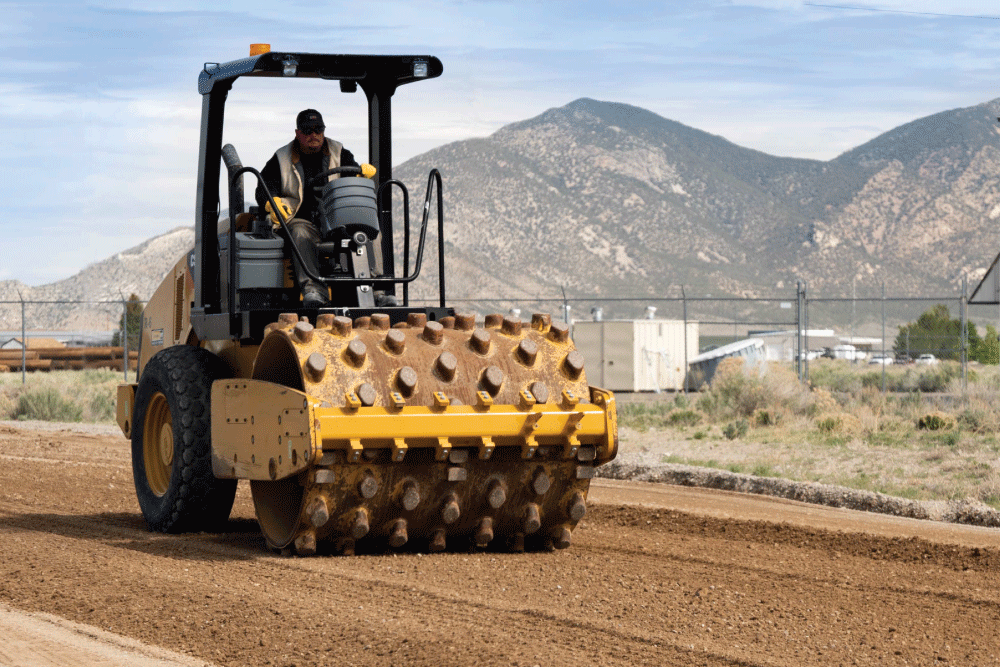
{"x":684,"y":303}
{"x":854,"y":299}
{"x":962,"y":308}
{"x":798,"y":329}
{"x":24,"y":344}
{"x":124,"y":336}
{"x":805,"y":331}
{"x":883,"y":336}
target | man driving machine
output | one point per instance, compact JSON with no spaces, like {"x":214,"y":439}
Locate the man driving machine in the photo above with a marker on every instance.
{"x":286,"y":175}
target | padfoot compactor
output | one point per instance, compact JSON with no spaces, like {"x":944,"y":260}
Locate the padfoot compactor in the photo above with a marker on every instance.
{"x":360,"y":427}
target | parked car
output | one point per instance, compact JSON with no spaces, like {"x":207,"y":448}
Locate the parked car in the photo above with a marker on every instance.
{"x":927,"y":360}
{"x":883,"y":359}
{"x":904,"y":359}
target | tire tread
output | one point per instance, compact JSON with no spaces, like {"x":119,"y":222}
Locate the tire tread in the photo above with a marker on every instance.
{"x":195,"y":500}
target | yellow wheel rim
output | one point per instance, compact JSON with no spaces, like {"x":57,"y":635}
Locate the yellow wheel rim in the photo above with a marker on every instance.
{"x":158,"y":444}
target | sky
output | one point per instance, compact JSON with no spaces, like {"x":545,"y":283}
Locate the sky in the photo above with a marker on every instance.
{"x":99,"y":108}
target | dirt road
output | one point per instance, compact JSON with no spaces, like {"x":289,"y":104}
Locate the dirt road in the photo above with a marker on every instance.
{"x":655,"y":576}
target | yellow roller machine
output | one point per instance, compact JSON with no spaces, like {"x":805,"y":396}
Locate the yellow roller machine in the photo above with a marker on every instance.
{"x":360,"y":427}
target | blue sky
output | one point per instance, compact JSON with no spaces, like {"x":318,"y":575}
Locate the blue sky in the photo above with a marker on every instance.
{"x":99,"y":108}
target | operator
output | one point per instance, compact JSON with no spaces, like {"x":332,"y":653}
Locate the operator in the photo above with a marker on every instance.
{"x":286,"y":174}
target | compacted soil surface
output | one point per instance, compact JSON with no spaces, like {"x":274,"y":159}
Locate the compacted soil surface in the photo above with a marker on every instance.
{"x":656,"y":575}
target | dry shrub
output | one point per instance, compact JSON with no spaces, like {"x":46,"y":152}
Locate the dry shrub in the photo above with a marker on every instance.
{"x":935,"y":421}
{"x":823,"y":401}
{"x":981,"y":413}
{"x":979,"y":417}
{"x":988,"y":490}
{"x":850,"y":424}
{"x":46,"y":405}
{"x":763,"y":417}
{"x":869,"y":420}
{"x":828,"y":423}
{"x":6,"y":405}
{"x":684,"y":417}
{"x":873,"y":399}
{"x":843,"y":423}
{"x":835,"y":375}
{"x":739,"y":390}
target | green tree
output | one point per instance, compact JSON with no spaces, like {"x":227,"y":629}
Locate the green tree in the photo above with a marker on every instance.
{"x":133,"y":310}
{"x":988,"y":349}
{"x":935,"y":332}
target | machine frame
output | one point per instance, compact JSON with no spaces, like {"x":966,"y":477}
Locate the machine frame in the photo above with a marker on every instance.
{"x":214,"y":317}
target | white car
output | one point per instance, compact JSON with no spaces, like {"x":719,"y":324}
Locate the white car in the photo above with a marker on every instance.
{"x":927,"y":360}
{"x":882,"y":359}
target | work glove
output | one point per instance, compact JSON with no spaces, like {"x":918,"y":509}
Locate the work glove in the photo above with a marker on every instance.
{"x":283,"y":208}
{"x":367,"y":170}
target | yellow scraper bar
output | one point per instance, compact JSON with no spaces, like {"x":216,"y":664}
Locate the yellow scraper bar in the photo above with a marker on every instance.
{"x":421,"y":426}
{"x":263,"y":430}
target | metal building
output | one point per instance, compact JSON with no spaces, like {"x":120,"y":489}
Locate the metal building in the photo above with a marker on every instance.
{"x":703,"y":367}
{"x":636,"y":355}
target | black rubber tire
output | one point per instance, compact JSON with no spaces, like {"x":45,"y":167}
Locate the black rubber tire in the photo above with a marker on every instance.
{"x":178,"y":493}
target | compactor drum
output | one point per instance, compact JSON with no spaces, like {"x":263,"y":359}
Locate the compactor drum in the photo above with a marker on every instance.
{"x":359,"y":427}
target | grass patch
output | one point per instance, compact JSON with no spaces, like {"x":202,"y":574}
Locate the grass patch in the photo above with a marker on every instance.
{"x":61,"y":396}
{"x":929,"y":438}
{"x":644,"y":416}
{"x":46,"y":405}
{"x":736,"y":429}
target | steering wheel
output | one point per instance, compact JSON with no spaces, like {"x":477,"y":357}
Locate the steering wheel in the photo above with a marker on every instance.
{"x":319,"y":179}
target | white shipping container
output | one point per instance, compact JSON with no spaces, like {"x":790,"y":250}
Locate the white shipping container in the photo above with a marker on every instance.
{"x":636,"y":355}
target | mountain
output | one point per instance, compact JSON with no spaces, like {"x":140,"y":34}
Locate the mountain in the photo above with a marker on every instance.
{"x":926,"y":201}
{"x":607,"y":200}
{"x":102,"y":285}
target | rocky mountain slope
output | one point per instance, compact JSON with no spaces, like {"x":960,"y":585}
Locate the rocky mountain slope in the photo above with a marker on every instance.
{"x":101,"y":287}
{"x":609,"y":200}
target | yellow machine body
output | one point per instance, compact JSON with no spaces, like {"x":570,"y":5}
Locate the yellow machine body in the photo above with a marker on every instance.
{"x":362,"y":422}
{"x":356,"y":433}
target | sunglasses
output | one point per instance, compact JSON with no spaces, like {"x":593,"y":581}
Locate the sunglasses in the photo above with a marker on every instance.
{"x":313,"y":129}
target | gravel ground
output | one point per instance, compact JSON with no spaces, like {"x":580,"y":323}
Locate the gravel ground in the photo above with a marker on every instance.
{"x":657,"y":575}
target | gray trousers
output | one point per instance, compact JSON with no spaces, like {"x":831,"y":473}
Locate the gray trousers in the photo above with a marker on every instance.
{"x":305,"y":236}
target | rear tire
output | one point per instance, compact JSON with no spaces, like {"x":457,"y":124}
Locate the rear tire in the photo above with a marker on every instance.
{"x":172,"y":443}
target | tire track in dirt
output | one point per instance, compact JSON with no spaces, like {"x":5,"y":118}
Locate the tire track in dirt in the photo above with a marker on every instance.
{"x":641,"y":585}
{"x":121,"y":532}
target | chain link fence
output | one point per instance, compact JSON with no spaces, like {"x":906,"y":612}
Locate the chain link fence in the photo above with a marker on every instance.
{"x":69,"y":334}
{"x":877,"y":329}
{"x":799,"y":327}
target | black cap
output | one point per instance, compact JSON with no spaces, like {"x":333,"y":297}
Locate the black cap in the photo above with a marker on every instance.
{"x":309,"y":118}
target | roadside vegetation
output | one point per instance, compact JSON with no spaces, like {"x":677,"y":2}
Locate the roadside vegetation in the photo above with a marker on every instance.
{"x":925,"y":438}
{"x":65,"y":396}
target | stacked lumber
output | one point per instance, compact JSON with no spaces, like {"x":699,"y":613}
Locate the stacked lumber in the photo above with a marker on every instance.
{"x":32,"y":361}
{"x":66,"y":358}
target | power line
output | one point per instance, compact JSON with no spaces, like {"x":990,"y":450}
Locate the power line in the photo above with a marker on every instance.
{"x":901,"y":11}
